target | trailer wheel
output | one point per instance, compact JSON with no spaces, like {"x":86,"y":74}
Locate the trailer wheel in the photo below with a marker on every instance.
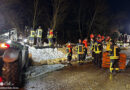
{"x":11,"y":73}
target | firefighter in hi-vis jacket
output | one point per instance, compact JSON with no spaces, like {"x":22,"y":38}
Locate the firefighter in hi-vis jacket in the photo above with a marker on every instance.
{"x":85,"y":42}
{"x":32,"y":36}
{"x":50,"y":37}
{"x":98,"y":51}
{"x":80,"y":51}
{"x":114,"y":57}
{"x":69,"y":52}
{"x":108,"y":41}
{"x":39,"y":36}
{"x":91,"y":46}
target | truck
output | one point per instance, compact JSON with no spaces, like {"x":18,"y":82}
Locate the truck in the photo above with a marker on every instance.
{"x":13,"y":62}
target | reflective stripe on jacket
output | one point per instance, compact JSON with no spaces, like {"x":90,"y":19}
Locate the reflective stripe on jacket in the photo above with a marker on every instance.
{"x":114,"y":54}
{"x":96,"y":48}
{"x":69,"y":50}
{"x":32,"y":34}
{"x":39,"y":33}
{"x":80,"y":49}
{"x":108,"y":47}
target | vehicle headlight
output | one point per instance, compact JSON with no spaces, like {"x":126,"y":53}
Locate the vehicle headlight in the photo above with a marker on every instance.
{"x":25,"y":40}
{"x":9,"y":42}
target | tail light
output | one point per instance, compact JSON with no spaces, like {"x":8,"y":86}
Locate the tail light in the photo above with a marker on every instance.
{"x":4,"y":45}
{"x":1,"y":80}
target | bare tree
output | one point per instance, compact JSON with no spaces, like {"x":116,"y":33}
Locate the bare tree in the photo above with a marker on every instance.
{"x":35,"y":13}
{"x":79,"y":20}
{"x":59,"y":12}
{"x":10,"y":15}
{"x":98,"y":16}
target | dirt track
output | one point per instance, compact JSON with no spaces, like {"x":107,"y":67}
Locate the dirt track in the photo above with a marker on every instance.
{"x":81,"y":77}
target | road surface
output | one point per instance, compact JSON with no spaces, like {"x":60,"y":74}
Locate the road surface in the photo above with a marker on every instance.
{"x":81,"y":77}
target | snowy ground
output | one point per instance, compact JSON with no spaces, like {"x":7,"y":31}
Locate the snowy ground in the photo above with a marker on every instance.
{"x":45,"y":54}
{"x":35,"y":71}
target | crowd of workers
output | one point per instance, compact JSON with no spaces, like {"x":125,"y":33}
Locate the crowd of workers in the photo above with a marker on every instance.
{"x":38,"y":35}
{"x":97,"y":50}
{"x":97,"y":42}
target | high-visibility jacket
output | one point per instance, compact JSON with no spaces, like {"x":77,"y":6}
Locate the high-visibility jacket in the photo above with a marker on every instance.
{"x":108,"y":47}
{"x":32,"y":33}
{"x":85,"y":43}
{"x":114,"y":54}
{"x":80,"y":48}
{"x":102,"y":37}
{"x":92,"y":45}
{"x":91,"y":36}
{"x":99,"y":40}
{"x":69,"y":50}
{"x":51,"y":33}
{"x":97,"y":48}
{"x":39,"y":33}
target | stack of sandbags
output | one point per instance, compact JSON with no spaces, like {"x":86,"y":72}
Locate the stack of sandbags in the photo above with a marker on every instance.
{"x":105,"y":60}
{"x":122,"y":62}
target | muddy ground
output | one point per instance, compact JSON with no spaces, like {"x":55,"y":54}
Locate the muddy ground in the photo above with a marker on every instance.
{"x":81,"y":77}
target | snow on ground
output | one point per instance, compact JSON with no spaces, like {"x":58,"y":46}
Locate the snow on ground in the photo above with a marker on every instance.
{"x":35,"y":71}
{"x":45,"y":54}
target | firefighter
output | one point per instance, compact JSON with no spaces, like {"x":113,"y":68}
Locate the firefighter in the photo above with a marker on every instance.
{"x":80,"y":51}
{"x":91,"y":40}
{"x":69,"y":52}
{"x":50,"y":37}
{"x":39,"y":36}
{"x":91,"y":45}
{"x":98,"y":52}
{"x":103,"y":39}
{"x":85,"y":42}
{"x":114,"y":55}
{"x":108,"y":41}
{"x":32,"y":36}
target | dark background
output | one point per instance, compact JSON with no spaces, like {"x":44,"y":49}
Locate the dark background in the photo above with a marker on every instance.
{"x":71,"y":19}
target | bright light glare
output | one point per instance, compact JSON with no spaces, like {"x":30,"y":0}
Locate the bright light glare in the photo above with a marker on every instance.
{"x":9,"y":41}
{"x":3,"y":45}
{"x":25,"y":40}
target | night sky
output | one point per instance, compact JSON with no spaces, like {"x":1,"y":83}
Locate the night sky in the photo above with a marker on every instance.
{"x":119,"y":5}
{"x":21,"y":12}
{"x":123,"y":6}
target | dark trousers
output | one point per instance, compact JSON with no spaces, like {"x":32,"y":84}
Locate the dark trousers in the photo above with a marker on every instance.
{"x":94,"y":56}
{"x":80,"y":57}
{"x":98,"y":59}
{"x":85,"y":53}
{"x":69,"y":57}
{"x":39,"y":41}
{"x":115,"y":63}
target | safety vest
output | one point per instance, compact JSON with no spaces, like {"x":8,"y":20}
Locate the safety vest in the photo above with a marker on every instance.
{"x":92,"y":45}
{"x":91,"y":36}
{"x":85,"y":43}
{"x":96,"y":48}
{"x":39,"y":33}
{"x":108,"y":48}
{"x":80,"y":49}
{"x":69,"y":50}
{"x":51,"y":33}
{"x":114,"y":54}
{"x":32,"y":33}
